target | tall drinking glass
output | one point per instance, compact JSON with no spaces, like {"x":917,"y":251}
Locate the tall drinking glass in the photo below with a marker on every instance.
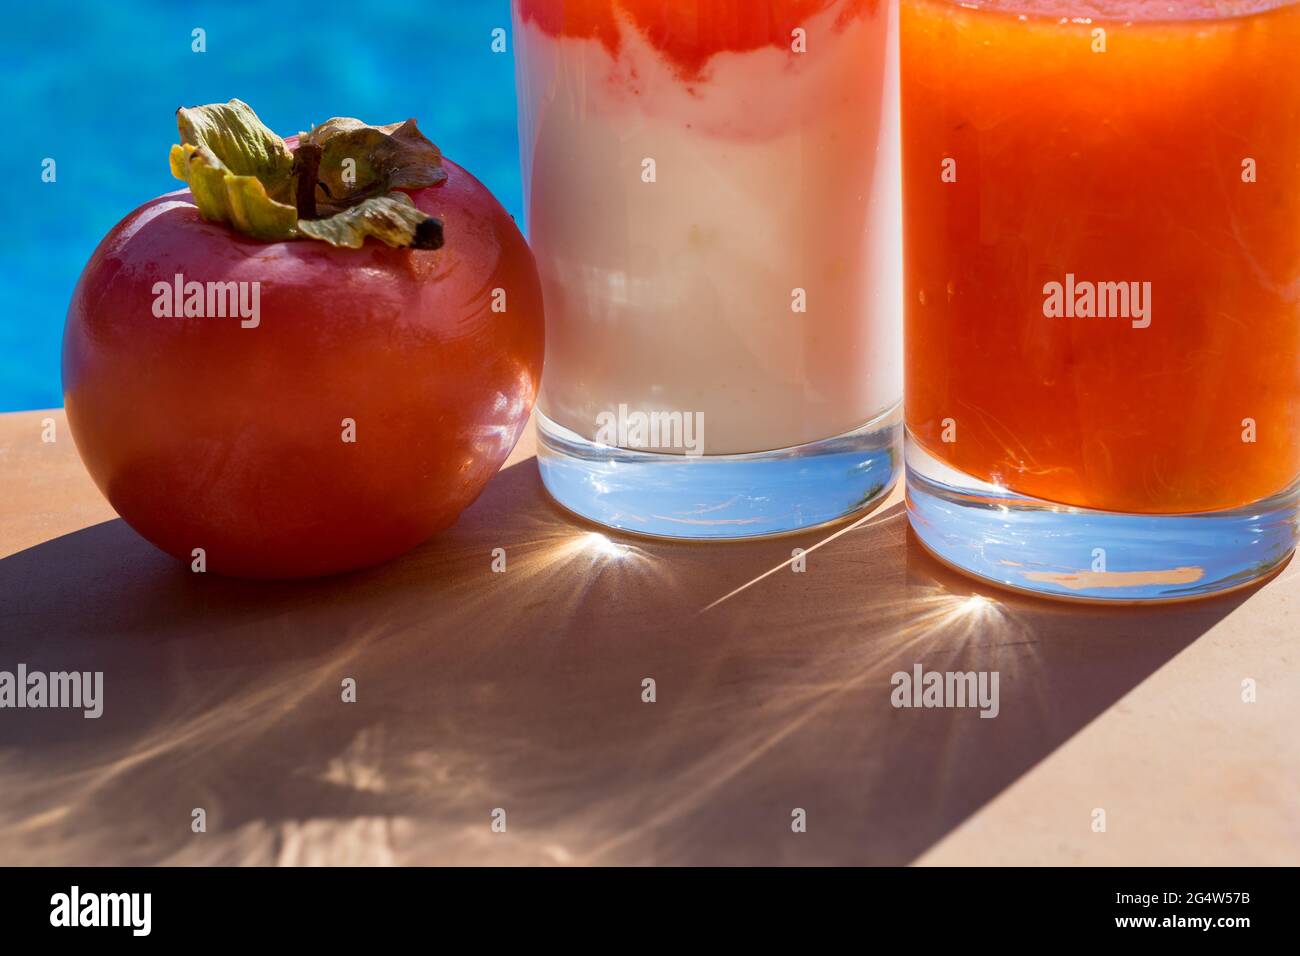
{"x":713,"y":202}
{"x":1102,"y":288}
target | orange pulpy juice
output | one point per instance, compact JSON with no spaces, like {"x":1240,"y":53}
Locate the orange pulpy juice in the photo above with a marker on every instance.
{"x":1102,"y":247}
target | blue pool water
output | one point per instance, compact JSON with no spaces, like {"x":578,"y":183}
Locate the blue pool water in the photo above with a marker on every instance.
{"x":95,"y":86}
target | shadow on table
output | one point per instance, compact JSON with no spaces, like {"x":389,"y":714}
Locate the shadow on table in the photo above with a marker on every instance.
{"x":523,"y":690}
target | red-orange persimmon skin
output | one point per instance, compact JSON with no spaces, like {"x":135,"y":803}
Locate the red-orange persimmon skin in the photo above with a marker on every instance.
{"x":206,"y":434}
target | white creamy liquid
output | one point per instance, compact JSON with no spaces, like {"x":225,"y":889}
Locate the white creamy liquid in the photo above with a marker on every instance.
{"x":774,"y":172}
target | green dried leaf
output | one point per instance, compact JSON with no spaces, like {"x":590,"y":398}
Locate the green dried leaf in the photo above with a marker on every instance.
{"x":392,"y":219}
{"x":256,"y":214}
{"x":241,"y":141}
{"x":383,"y":158}
{"x":223,"y":196}
{"x":241,"y":173}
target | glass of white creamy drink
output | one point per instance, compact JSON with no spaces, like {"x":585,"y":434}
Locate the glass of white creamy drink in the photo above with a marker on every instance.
{"x":712,"y":196}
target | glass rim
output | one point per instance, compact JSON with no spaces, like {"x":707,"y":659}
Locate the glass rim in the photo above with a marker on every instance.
{"x":1085,"y":12}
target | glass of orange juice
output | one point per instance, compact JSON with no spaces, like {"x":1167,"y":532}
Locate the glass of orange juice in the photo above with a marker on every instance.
{"x":1102,"y":291}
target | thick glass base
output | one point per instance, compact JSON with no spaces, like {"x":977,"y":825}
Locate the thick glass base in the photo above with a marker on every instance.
{"x":1079,"y":554}
{"x":721,"y":496}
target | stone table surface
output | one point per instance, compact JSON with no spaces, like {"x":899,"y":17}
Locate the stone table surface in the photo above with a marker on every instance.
{"x":522,"y":691}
